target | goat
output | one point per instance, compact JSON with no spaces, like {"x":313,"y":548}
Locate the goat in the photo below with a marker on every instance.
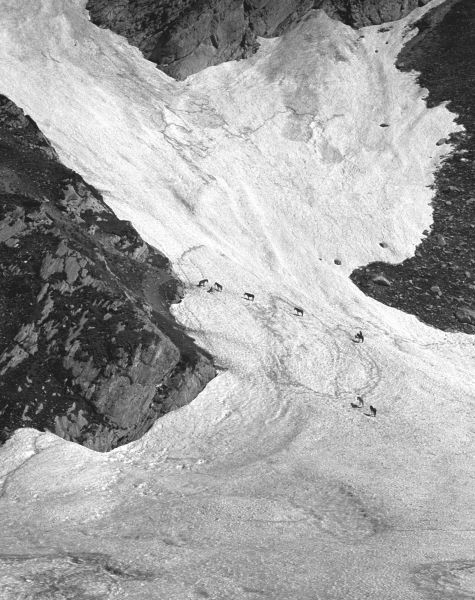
{"x":248,"y":296}
{"x":298,"y":311}
{"x":202,"y":283}
{"x":360,"y":402}
{"x":218,"y":287}
{"x":372,"y":410}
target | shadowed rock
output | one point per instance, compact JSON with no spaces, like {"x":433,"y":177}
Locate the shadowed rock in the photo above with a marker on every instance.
{"x":185,"y":36}
{"x":88,"y":347}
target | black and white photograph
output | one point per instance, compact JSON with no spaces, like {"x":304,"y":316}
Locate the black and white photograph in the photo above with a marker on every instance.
{"x":237,"y":300}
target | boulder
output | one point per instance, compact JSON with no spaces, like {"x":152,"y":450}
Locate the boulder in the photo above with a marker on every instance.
{"x":381,"y":280}
{"x":440,"y":240}
{"x":465,"y":315}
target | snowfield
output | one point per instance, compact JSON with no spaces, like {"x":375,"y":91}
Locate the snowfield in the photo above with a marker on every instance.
{"x":257,"y":174}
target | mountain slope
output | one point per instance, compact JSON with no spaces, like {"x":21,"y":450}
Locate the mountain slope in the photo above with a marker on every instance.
{"x":186,"y":36}
{"x":269,"y":484}
{"x":438,"y":283}
{"x":88,"y":347}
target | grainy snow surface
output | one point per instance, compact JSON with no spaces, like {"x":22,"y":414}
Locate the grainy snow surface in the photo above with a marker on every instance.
{"x":256,"y":174}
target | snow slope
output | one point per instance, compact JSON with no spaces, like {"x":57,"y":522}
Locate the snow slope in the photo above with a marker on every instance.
{"x":257,"y":174}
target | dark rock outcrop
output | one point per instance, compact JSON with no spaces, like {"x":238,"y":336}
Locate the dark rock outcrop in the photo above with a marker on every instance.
{"x":438,"y":283}
{"x":88,"y":347}
{"x":185,"y":36}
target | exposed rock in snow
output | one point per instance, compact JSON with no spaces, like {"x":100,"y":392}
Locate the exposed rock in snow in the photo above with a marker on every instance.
{"x":185,"y":36}
{"x":88,"y":348}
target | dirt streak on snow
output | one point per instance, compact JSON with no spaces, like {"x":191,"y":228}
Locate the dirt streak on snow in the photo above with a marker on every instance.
{"x":257,"y":174}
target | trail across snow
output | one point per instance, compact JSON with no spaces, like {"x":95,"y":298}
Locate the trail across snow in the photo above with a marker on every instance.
{"x":257,"y":174}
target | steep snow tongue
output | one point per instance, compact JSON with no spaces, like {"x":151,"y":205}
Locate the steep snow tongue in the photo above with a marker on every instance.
{"x":308,"y":111}
{"x":258,"y":175}
{"x":237,"y":153}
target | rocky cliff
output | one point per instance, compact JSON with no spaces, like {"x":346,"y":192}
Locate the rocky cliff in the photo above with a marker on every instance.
{"x":88,"y":348}
{"x":185,"y":36}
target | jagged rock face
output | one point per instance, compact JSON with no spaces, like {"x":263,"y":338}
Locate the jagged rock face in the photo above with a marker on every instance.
{"x":360,"y":13}
{"x":185,"y":36}
{"x":88,"y":348}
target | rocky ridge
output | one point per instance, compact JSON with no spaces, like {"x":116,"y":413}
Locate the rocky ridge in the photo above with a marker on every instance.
{"x":88,"y":347}
{"x":185,"y":36}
